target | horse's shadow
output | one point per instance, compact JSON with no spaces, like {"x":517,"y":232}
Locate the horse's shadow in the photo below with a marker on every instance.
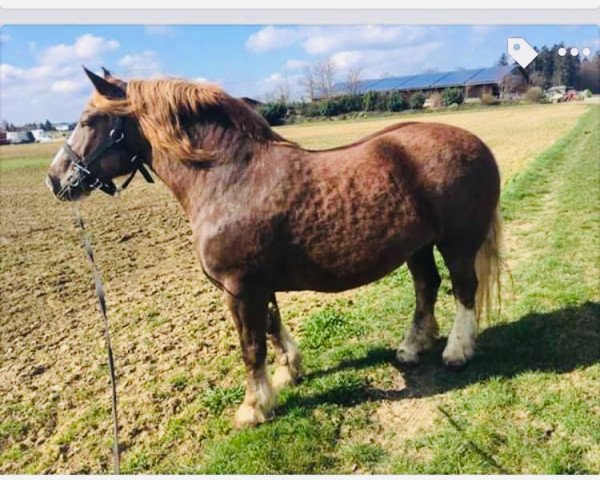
{"x":558,"y":341}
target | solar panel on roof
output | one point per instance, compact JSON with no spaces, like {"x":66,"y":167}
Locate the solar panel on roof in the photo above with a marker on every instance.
{"x":423,"y":81}
{"x":453,"y":79}
{"x":391,"y":83}
{"x":490,"y":75}
{"x":474,"y":76}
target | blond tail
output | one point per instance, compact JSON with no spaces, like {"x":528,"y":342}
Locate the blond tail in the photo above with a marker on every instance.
{"x":488,"y":266}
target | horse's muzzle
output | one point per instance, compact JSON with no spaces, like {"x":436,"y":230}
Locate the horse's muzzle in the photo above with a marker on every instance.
{"x":65,"y":193}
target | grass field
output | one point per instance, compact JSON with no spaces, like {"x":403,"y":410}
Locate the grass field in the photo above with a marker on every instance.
{"x":527,"y":404}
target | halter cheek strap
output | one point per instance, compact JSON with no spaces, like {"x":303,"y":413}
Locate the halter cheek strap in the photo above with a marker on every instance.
{"x":82,"y":164}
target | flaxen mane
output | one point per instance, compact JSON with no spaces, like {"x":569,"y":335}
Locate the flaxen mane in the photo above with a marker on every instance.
{"x":163,"y":107}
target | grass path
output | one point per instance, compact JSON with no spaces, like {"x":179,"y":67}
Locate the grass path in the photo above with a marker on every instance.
{"x":527,"y":404}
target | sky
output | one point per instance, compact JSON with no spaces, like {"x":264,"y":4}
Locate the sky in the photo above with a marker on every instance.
{"x":41,"y":75}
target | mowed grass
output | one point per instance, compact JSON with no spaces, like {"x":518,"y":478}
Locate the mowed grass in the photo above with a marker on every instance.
{"x":28,"y":155}
{"x":527,"y":404}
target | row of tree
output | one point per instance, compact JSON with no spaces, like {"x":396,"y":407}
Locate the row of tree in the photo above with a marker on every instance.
{"x":394,"y":101}
{"x":47,"y":126}
{"x":550,"y":69}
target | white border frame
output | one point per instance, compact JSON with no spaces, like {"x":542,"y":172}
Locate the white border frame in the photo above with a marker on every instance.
{"x":301,"y":16}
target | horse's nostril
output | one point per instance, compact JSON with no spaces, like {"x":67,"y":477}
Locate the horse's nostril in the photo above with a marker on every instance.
{"x":52,"y":184}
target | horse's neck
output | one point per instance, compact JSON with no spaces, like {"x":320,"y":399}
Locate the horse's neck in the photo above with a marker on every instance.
{"x":194,"y":183}
{"x":177,"y":176}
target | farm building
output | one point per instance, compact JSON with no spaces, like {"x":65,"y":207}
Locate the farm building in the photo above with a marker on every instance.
{"x":41,"y":136}
{"x":62,"y":127}
{"x":22,"y":136}
{"x":475,"y":82}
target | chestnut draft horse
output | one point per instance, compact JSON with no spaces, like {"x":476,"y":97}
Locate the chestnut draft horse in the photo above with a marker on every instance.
{"x":269,"y":216}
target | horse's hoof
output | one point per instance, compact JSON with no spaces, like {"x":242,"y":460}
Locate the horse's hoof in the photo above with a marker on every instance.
{"x":249,"y":416}
{"x":457,"y":359}
{"x":407,"y":357}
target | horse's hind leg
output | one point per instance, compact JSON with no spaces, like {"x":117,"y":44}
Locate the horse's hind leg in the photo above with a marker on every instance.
{"x":424,"y":328}
{"x":287,"y":354}
{"x":250,"y":314}
{"x":461,"y":341}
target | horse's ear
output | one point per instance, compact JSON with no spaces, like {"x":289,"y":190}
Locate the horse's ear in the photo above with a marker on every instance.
{"x":107,"y":74}
{"x":103,"y":87}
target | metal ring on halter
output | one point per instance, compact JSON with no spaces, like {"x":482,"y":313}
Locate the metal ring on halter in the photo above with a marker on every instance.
{"x":113,"y":132}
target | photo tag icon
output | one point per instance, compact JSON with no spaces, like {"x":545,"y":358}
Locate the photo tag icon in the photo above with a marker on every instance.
{"x":521,"y":51}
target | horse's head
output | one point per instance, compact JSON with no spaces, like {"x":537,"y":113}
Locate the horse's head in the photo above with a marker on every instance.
{"x":97,"y":150}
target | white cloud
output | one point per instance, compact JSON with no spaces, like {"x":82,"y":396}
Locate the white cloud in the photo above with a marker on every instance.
{"x":319,"y":40}
{"x":483,"y":29}
{"x":201,"y":80}
{"x":480,"y":33}
{"x":159,"y":30}
{"x":86,"y":47}
{"x":270,"y":38}
{"x":67,"y":86}
{"x":330,"y":39}
{"x":379,"y":63}
{"x":294,"y":64}
{"x":145,"y":63}
{"x":54,"y":87}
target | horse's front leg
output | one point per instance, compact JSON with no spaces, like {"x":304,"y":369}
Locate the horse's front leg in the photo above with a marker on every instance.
{"x":250,"y":314}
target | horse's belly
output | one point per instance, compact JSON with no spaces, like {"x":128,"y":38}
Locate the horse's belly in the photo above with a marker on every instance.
{"x":343,"y":263}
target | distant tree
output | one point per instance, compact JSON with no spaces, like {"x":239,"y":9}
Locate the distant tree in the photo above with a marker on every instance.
{"x":353,"y":79}
{"x":324,"y":73}
{"x":47,"y":126}
{"x":369,"y":101}
{"x":588,"y":76}
{"x":452,"y":95}
{"x":544,"y":64}
{"x":280,"y":92}
{"x":503,"y":60}
{"x":535,"y":94}
{"x":309,"y":83}
{"x":331,"y":107}
{"x":397,"y":102}
{"x":274,"y":112}
{"x":417,"y":100}
{"x":565,"y":71}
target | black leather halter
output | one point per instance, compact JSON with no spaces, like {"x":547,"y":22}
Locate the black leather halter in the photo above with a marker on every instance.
{"x":84,"y":177}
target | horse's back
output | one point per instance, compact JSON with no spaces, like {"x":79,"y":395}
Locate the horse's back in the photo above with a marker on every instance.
{"x":455,"y":174}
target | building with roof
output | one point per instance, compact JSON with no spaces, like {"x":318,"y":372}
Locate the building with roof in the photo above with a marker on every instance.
{"x":475,"y":82}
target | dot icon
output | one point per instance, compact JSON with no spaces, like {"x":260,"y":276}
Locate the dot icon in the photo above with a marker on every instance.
{"x":562,"y":51}
{"x":574,"y":52}
{"x":586,"y":52}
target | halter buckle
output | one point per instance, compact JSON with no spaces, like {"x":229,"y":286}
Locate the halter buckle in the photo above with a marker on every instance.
{"x":116,"y":135}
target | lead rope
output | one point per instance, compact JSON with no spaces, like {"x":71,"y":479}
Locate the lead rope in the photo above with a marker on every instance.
{"x":102,"y":306}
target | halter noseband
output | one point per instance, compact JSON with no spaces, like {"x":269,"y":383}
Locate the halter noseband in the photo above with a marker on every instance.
{"x":83,"y":175}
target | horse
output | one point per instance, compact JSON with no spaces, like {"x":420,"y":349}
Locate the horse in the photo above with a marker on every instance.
{"x":269,"y":216}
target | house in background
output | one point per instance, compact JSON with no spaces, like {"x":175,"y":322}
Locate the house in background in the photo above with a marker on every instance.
{"x":63,"y":128}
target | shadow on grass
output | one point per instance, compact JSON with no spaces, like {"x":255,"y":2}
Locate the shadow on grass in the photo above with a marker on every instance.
{"x":558,"y":341}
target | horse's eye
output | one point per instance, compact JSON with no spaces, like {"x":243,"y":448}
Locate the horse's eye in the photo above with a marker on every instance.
{"x":84,"y":123}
